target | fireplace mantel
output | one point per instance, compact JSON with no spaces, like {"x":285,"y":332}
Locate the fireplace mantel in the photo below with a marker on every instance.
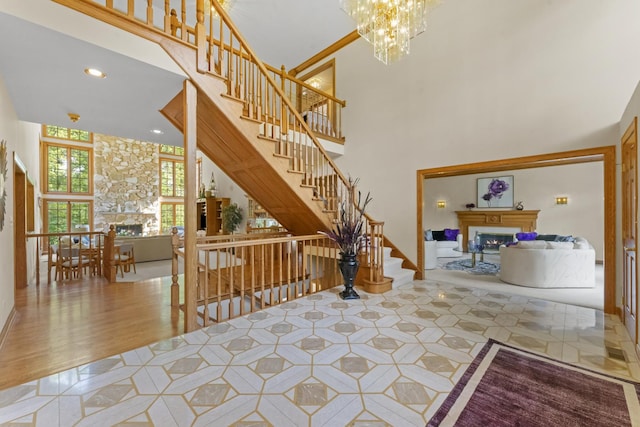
{"x":525,"y":220}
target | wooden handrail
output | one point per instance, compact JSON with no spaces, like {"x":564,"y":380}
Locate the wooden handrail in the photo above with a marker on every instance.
{"x":249,"y":274}
{"x":228,"y":55}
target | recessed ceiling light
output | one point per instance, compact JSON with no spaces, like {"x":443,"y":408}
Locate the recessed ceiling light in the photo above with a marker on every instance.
{"x":94,"y":72}
{"x":157,"y":131}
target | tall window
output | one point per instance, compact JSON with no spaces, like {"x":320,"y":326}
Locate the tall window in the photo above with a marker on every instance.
{"x":68,"y":169}
{"x":171,"y":214}
{"x":63,"y":215}
{"x":171,"y":178}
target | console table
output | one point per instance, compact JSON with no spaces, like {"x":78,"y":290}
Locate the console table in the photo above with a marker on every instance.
{"x":525,"y":220}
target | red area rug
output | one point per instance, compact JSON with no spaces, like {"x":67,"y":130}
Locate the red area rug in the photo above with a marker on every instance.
{"x":506,"y":386}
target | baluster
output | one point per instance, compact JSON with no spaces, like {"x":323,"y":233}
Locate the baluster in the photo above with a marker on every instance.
{"x":175,"y":289}
{"x":220,"y":49}
{"x":183,"y":22}
{"x":130,"y":8}
{"x":150,"y":12}
{"x":219,"y":269}
{"x":207,"y":269}
{"x":167,"y":18}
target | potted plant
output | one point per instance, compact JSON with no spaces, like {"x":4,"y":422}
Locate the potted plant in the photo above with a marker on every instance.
{"x":231,"y":217}
{"x":349,"y":233}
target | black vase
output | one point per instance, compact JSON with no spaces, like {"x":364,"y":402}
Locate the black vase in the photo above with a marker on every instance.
{"x":349,"y":268}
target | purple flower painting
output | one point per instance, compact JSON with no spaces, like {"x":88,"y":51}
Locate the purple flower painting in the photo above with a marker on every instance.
{"x":495,"y":192}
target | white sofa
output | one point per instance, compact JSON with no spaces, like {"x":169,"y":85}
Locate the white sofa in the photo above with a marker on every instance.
{"x":542,"y":264}
{"x":449,"y":248}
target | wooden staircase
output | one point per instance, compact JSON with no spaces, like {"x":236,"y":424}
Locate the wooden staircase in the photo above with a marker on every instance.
{"x":245,"y":122}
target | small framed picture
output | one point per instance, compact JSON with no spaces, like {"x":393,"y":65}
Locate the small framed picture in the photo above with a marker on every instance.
{"x":496,"y":192}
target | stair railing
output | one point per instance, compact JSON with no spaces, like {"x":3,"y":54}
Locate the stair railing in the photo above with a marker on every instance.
{"x":222,"y":51}
{"x":248,"y":80}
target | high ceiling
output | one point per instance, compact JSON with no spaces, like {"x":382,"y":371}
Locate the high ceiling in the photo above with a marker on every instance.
{"x":45,"y":47}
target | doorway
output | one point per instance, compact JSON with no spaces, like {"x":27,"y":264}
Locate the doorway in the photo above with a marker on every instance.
{"x":20,"y":223}
{"x":599,"y":154}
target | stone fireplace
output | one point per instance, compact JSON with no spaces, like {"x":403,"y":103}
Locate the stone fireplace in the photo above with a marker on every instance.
{"x":129,"y":229}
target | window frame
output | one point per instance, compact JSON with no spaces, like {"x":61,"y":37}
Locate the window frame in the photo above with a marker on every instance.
{"x":45,"y":144}
{"x":174,"y":161}
{"x":174,"y":204}
{"x":70,"y":131}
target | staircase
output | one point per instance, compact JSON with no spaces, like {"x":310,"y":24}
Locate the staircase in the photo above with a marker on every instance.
{"x":246,"y":124}
{"x":393,"y":269}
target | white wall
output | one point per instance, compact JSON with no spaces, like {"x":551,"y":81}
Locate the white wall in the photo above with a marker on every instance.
{"x":226,"y":188}
{"x":22,"y":139}
{"x":487,"y":80}
{"x":8,"y":132}
{"x":537,"y":189}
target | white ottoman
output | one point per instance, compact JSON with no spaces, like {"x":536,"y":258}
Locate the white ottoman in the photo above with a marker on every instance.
{"x":430,"y":254}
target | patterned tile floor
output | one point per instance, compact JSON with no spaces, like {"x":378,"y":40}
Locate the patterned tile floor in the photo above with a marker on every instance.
{"x":384,"y":360}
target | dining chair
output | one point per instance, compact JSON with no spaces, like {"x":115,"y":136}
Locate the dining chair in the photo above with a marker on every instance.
{"x":124,"y":258}
{"x":52,"y":262}
{"x":71,"y":263}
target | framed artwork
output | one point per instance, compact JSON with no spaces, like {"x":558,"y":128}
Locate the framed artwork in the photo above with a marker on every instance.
{"x":496,"y":192}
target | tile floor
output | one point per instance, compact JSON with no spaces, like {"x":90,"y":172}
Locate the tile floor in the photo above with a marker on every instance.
{"x":384,"y":360}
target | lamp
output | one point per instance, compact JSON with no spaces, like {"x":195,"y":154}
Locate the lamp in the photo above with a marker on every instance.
{"x":562,"y":200}
{"x":441,"y":204}
{"x":388,"y":24}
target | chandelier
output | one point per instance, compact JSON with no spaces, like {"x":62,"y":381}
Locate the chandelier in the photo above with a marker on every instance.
{"x":389,"y":24}
{"x":226,"y":5}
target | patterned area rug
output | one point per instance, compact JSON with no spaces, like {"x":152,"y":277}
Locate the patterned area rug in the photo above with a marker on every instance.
{"x":481,"y":267}
{"x":506,"y":386}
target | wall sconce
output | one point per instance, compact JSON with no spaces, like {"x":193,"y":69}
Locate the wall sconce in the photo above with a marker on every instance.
{"x":441,"y":204}
{"x":562,"y":200}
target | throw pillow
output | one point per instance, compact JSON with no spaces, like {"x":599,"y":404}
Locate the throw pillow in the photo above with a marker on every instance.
{"x":451,"y":234}
{"x":581,"y":243}
{"x":531,"y":244}
{"x":565,"y":239}
{"x":547,"y":237}
{"x":428,"y":235}
{"x":526,"y":236}
{"x":438,"y":235}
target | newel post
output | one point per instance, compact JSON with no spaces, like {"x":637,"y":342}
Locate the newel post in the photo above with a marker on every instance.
{"x":108,"y":262}
{"x":376,"y":283}
{"x":175,"y":288}
{"x":201,"y":39}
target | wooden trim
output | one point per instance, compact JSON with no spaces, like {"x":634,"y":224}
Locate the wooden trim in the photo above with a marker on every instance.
{"x":20,"y":274}
{"x":526,"y":220}
{"x":329,"y":50}
{"x":605,"y":154}
{"x":190,"y":101}
{"x":7,"y":326}
{"x":330,"y":64}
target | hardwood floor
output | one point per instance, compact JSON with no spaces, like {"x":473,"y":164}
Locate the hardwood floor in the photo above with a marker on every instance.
{"x":61,"y":326}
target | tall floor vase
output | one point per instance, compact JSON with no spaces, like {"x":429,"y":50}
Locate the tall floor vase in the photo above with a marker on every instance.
{"x":349,"y":268}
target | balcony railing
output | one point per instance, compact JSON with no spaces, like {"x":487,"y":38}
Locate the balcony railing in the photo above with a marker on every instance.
{"x":241,"y":274}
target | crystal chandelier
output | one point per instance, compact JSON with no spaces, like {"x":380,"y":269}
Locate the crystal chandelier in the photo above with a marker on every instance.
{"x":389,"y":24}
{"x":226,"y":5}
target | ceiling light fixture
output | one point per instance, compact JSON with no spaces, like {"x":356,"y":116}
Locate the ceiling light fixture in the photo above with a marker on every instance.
{"x":389,"y":24}
{"x":94,"y":72}
{"x":226,"y":5}
{"x":73,"y":117}
{"x":157,"y":131}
